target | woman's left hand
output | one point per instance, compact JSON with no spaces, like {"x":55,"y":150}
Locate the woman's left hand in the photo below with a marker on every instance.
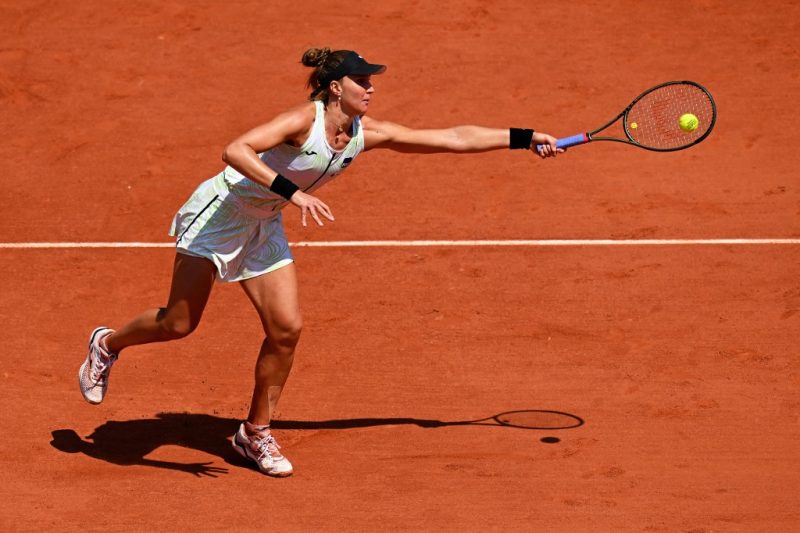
{"x":548,"y":145}
{"x":311,"y":205}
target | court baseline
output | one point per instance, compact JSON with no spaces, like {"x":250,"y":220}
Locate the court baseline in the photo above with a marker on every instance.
{"x":432,"y":243}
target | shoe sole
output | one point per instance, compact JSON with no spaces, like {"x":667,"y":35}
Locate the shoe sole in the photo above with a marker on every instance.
{"x":87,"y":362}
{"x":241,"y":451}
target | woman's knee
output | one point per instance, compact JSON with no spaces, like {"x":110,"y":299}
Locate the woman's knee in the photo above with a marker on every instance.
{"x":175,"y":325}
{"x":286,"y":333}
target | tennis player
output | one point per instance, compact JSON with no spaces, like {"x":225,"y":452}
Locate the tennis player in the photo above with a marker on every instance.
{"x":230,"y":229}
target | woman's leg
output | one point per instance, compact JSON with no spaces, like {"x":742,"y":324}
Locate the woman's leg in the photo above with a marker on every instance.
{"x":192,"y":280}
{"x":274,"y":296}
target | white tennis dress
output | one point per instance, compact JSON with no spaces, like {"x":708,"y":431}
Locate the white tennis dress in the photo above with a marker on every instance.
{"x":236,"y":223}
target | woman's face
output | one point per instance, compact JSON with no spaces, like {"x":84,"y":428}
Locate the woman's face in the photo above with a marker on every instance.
{"x":356,"y":94}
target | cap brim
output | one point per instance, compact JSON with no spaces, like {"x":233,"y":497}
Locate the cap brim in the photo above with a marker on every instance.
{"x":369,"y":69}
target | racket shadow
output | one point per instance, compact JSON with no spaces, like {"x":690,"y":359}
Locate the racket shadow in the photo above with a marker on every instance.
{"x":129,"y":442}
{"x":531,"y":419}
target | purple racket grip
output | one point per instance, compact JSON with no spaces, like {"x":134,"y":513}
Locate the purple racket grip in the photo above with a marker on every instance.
{"x":566,"y":142}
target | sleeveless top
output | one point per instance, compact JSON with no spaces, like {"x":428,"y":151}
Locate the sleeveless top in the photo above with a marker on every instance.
{"x":309,"y":167}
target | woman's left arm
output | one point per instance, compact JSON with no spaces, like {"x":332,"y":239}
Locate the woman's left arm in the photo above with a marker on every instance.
{"x":458,"y":139}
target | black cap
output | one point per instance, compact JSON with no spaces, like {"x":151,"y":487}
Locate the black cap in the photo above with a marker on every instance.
{"x":352,"y":64}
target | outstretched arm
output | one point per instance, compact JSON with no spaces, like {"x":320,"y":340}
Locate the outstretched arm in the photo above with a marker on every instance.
{"x":458,"y":139}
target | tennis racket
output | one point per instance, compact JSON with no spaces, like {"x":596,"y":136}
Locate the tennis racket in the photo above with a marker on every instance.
{"x":654,"y":119}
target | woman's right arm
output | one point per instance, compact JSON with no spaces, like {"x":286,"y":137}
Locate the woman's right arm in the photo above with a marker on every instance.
{"x":292,"y":126}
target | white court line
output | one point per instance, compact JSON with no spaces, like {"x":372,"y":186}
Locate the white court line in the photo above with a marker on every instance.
{"x":433,"y":243}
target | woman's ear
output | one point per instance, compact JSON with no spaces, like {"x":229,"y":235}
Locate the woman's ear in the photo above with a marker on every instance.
{"x":335,"y":89}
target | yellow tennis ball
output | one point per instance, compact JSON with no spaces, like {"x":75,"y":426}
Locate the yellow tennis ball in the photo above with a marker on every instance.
{"x":688,"y":122}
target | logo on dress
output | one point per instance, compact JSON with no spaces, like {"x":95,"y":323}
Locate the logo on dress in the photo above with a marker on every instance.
{"x":347,"y":161}
{"x":310,"y":152}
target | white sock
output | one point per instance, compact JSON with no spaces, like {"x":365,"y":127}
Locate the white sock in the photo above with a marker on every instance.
{"x":253,"y":429}
{"x":104,"y":345}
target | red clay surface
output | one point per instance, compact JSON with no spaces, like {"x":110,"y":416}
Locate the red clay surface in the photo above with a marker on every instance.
{"x":681,"y":360}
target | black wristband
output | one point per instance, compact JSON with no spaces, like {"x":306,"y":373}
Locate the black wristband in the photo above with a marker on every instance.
{"x":521,"y":139}
{"x":284,"y":187}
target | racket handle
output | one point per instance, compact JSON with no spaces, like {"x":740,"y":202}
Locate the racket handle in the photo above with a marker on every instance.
{"x":566,"y":142}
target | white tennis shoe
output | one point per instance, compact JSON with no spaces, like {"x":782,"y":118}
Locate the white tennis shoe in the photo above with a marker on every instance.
{"x":264,"y":450}
{"x":94,"y":372}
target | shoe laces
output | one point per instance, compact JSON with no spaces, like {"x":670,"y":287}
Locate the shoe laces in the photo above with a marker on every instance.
{"x":267,"y":446}
{"x":100,"y":367}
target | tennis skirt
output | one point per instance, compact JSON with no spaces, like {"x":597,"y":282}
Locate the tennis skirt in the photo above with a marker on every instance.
{"x":215,"y":225}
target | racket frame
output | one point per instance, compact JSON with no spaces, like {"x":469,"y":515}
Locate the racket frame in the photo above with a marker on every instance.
{"x":583,"y":138}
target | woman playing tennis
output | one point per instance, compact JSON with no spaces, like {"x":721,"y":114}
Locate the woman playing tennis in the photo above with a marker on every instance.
{"x":231,"y":229}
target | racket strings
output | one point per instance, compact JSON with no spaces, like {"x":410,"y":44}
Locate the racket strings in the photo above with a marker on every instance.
{"x":654,"y":120}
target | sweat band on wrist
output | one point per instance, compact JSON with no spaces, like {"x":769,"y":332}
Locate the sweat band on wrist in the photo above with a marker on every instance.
{"x":521,"y":139}
{"x":284,"y":187}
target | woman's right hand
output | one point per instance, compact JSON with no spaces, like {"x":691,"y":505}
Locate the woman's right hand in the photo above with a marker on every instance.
{"x":313,"y":205}
{"x":547,"y":144}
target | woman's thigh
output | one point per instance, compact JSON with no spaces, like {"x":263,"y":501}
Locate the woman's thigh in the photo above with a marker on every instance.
{"x":192,"y":281}
{"x":275,"y":297}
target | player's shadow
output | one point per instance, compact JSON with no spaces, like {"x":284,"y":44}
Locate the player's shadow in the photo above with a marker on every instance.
{"x":129,"y":442}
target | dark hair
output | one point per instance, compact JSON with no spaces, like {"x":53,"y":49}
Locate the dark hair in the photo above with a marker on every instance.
{"x":323,"y":61}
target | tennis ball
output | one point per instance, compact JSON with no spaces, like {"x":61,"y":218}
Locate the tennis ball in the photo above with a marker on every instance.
{"x":688,"y":122}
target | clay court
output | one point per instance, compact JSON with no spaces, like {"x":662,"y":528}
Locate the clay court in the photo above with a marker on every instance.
{"x":667,"y":372}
